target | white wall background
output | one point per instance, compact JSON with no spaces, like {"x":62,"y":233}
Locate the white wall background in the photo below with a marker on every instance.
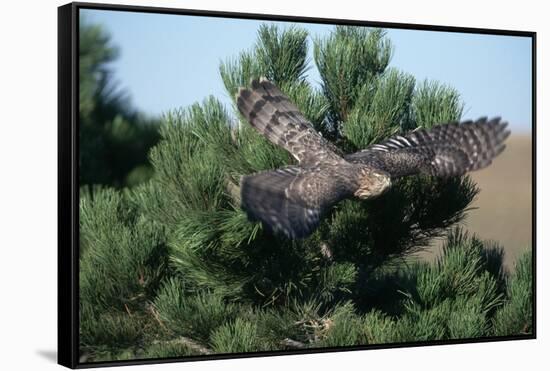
{"x":28,"y":183}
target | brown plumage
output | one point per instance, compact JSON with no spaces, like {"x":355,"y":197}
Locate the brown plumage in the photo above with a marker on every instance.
{"x":292,"y":200}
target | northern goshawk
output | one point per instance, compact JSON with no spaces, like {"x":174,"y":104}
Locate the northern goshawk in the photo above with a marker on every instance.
{"x":291,"y":200}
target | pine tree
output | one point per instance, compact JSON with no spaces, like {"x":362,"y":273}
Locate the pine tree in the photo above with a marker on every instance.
{"x":173,"y":267}
{"x":114,"y":137}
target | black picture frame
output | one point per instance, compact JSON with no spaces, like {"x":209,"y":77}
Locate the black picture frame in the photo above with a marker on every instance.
{"x":68,"y":175}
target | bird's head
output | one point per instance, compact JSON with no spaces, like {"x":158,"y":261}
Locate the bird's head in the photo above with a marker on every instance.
{"x":372,"y":183}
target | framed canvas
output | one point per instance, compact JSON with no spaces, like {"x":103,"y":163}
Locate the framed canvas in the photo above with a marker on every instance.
{"x":237,"y":185}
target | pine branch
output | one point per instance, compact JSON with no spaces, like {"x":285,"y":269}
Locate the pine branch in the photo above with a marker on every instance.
{"x":234,"y":191}
{"x":189,"y":343}
{"x":293,"y":344}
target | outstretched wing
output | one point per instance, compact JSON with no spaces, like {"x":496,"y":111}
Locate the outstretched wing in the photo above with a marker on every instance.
{"x":270,"y":112}
{"x":291,"y":200}
{"x":444,"y":150}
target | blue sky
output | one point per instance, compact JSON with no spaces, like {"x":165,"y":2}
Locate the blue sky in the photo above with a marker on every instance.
{"x":171,"y":61}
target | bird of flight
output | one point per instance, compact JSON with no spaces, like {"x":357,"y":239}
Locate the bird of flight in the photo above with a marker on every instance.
{"x":292,"y":200}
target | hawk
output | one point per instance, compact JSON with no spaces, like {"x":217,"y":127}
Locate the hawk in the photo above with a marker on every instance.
{"x":292,"y":200}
